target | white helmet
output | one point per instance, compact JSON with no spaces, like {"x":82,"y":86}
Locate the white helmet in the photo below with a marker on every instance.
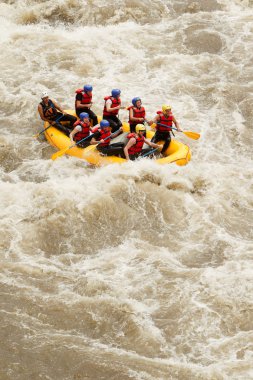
{"x":44,"y":95}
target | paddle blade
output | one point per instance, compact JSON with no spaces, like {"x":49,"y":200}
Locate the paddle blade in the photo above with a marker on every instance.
{"x":192,"y":135}
{"x":43,"y":130}
{"x":60,"y":153}
{"x":89,"y":149}
{"x":38,"y":134}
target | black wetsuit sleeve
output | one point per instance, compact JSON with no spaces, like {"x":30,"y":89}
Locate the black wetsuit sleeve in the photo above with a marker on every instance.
{"x":96,"y":136}
{"x":79,"y":97}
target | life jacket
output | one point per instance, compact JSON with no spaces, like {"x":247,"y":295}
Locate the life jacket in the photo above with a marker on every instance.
{"x":137,"y":147}
{"x":164,"y":120}
{"x":137,"y":112}
{"x":49,"y":111}
{"x":115,"y":103}
{"x":95,"y":129}
{"x":104,"y":135}
{"x":84,"y":132}
{"x":86,"y":99}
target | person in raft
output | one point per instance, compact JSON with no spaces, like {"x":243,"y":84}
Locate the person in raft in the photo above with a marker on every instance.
{"x":111,"y":109}
{"x":50,"y":111}
{"x":103,"y":136}
{"x":137,"y":114}
{"x":133,"y":148}
{"x":164,"y":122}
{"x":83,"y":103}
{"x":81,"y":131}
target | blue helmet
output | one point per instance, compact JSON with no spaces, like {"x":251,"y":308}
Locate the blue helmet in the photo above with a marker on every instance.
{"x":116,"y":92}
{"x":87,"y":87}
{"x":84,"y":115}
{"x":104,"y":124}
{"x":135,"y":100}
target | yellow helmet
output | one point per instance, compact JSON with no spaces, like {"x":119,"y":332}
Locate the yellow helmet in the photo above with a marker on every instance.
{"x":140,"y":127}
{"x":166,"y":107}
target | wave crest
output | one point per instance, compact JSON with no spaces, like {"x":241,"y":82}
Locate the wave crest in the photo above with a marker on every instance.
{"x":93,"y":13}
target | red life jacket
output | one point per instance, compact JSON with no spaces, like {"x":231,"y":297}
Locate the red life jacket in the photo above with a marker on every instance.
{"x":95,"y":129}
{"x":103,"y":136}
{"x":164,"y":120}
{"x":49,"y":111}
{"x":137,"y":147}
{"x":137,"y":112}
{"x":115,"y":103}
{"x":86,"y":99}
{"x":84,"y":132}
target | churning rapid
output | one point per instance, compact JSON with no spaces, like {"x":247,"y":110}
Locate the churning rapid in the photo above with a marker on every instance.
{"x":133,"y":271}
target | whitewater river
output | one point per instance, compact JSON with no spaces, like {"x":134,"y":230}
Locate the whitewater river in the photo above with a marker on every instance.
{"x":136,"y":271}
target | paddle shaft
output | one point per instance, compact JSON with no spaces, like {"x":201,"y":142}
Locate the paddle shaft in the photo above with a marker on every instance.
{"x":44,"y":130}
{"x":78,"y":142}
{"x":191,"y":135}
{"x":91,"y":148}
{"x":108,"y":137}
{"x":164,"y":125}
{"x":148,"y":153}
{"x":64,"y":150}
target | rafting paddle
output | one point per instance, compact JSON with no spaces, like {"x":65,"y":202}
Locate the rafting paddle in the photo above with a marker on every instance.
{"x":64,"y":150}
{"x":149,"y":152}
{"x":50,"y":125}
{"x":93,"y":147}
{"x":191,"y":135}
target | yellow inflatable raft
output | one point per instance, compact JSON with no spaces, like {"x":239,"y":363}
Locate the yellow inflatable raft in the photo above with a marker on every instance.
{"x":177,"y":152}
